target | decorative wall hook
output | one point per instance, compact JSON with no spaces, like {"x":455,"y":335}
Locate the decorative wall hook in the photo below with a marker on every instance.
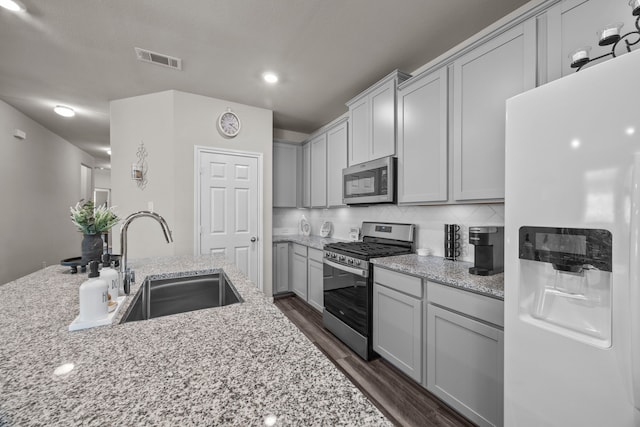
{"x":140,"y":168}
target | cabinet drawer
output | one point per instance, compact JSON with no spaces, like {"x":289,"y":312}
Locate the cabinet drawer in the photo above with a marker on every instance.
{"x":465,"y":365}
{"x":299,"y":249}
{"x":487,"y":309}
{"x":315,"y":255}
{"x":400,"y":282}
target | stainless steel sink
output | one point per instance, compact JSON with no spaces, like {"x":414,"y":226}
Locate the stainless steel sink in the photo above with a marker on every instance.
{"x":163,"y":297}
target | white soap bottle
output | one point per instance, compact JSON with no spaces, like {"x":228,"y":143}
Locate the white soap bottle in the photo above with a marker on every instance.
{"x":112,"y":277}
{"x":93,"y":296}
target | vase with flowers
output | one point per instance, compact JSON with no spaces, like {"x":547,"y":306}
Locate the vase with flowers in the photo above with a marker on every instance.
{"x":92,"y":222}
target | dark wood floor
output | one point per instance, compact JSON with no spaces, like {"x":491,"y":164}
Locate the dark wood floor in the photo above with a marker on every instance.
{"x":403,"y":401}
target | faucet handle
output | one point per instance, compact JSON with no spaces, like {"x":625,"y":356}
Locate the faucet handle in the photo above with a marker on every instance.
{"x":128,"y":277}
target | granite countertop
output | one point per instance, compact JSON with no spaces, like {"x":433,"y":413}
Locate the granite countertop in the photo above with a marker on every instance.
{"x":315,"y":242}
{"x":232,"y":365}
{"x":440,"y":270}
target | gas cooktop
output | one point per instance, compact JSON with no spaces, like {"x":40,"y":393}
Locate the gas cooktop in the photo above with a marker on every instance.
{"x":366,"y":250}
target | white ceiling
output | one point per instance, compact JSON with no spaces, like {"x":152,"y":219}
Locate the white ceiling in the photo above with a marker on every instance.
{"x":80,"y":53}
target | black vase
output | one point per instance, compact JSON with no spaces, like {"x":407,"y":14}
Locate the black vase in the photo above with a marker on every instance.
{"x":91,"y":248}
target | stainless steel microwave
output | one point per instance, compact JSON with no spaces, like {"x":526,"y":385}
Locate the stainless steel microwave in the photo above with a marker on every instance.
{"x":370,"y":182}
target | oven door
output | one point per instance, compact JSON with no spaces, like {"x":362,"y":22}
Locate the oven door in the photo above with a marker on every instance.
{"x":347,"y":295}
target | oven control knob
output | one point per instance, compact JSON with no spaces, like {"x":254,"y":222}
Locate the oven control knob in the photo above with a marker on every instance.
{"x":327,"y":255}
{"x":333,"y":256}
{"x":350,"y":261}
{"x":357,"y":262}
{"x":341,"y":258}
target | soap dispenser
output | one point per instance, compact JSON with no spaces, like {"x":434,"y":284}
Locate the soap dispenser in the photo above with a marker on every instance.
{"x":93,"y":296}
{"x":112,"y":277}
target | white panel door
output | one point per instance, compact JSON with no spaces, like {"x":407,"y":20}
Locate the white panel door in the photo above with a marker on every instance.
{"x":229,"y":209}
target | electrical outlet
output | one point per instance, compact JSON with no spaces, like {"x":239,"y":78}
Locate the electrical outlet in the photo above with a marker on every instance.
{"x":150,"y":206}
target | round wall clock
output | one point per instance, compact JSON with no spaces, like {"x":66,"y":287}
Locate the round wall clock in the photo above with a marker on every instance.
{"x":229,"y":124}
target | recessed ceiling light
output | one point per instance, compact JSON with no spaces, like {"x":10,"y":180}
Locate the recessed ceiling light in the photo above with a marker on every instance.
{"x":270,"y":77}
{"x":64,"y":111}
{"x":13,"y":5}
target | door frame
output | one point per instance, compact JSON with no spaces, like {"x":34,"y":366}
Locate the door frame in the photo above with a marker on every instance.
{"x":199,"y":150}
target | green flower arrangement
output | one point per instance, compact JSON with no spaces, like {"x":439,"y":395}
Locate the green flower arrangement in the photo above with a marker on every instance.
{"x":91,"y":220}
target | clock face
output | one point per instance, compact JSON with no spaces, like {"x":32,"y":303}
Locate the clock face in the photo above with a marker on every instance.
{"x":229,"y":124}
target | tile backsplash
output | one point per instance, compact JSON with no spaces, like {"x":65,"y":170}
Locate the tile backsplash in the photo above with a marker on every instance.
{"x":430,"y":221}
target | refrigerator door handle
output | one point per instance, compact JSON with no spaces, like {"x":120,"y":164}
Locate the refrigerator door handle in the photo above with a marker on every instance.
{"x":634,"y":279}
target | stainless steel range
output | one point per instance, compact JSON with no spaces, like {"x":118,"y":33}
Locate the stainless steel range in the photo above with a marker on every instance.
{"x":348,"y":281}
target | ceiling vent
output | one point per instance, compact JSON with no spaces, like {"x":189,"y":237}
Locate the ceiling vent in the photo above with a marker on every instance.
{"x":159,"y":58}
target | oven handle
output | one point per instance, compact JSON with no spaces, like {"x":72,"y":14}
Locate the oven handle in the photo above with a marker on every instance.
{"x":352,"y":270}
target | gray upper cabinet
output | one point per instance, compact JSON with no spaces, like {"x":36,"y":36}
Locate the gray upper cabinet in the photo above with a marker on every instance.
{"x":336,"y":161}
{"x":422,"y":139}
{"x":306,"y":175}
{"x":359,"y":131}
{"x":572,"y":24}
{"x":372,"y":118}
{"x":484,"y":79}
{"x":324,"y":157}
{"x":319,"y":171}
{"x":285,"y":165}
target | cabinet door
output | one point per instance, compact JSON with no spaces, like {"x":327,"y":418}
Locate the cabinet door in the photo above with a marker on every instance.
{"x":483,"y":80}
{"x":285,"y":161}
{"x":306,"y":175}
{"x":319,"y":171}
{"x":465,"y":365}
{"x":281,"y":267}
{"x":316,"y":294}
{"x":299,"y":275}
{"x":572,"y":24}
{"x":359,"y":127}
{"x":397,"y":330}
{"x":422,"y":140}
{"x":336,"y":161}
{"x":383,"y":121}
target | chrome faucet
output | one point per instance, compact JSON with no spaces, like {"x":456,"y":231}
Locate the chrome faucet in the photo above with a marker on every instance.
{"x":127,"y":274}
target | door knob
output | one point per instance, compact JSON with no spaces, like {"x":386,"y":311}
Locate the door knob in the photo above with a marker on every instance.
{"x":253,"y":239}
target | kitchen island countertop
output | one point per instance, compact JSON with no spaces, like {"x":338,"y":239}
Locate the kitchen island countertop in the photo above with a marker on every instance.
{"x":232,"y":365}
{"x":440,"y":270}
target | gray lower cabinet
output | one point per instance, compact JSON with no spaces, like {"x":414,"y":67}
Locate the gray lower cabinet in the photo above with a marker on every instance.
{"x":465,"y":352}
{"x":397,"y":320}
{"x":315,"y":279}
{"x":299,"y":270}
{"x":280,"y":268}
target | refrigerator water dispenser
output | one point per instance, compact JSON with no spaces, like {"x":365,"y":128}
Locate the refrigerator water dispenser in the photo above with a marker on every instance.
{"x":565,"y":279}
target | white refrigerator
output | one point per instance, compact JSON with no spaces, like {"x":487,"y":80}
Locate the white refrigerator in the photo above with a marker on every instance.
{"x":572,"y":250}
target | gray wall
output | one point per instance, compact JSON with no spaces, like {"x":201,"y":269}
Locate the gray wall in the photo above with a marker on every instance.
{"x":39,"y":181}
{"x":171,"y":124}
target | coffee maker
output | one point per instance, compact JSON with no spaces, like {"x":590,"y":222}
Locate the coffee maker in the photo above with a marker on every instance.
{"x":488,"y":250}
